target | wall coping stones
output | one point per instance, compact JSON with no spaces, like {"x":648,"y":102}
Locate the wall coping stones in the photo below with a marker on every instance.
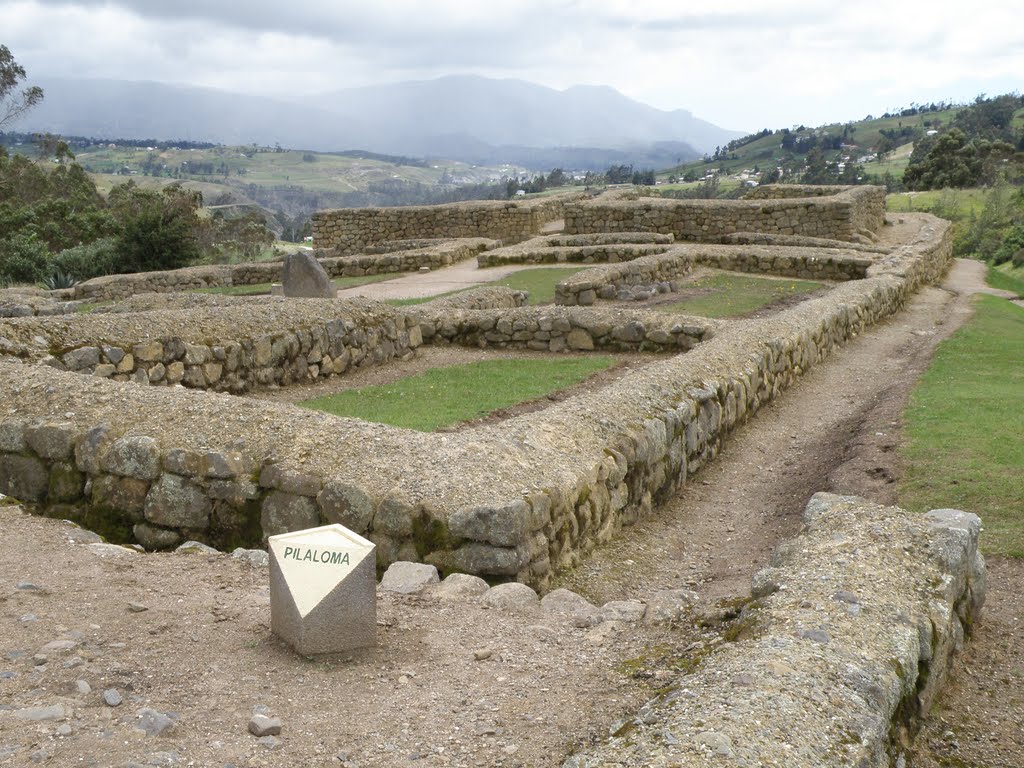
{"x":844,"y":650}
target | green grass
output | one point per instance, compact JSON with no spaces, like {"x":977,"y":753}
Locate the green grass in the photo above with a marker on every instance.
{"x":952,"y":204}
{"x":731,"y":295}
{"x":259,"y":289}
{"x":964,"y":427}
{"x":1007,"y":277}
{"x":540,"y":282}
{"x":443,"y":397}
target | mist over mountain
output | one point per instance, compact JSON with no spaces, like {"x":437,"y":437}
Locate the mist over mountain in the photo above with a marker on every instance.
{"x":470,"y":118}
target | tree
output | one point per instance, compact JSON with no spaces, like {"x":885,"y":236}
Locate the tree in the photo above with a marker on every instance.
{"x":14,"y":103}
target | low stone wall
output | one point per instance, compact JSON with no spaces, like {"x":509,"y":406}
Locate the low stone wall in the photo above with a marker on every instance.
{"x":661,"y":272}
{"x":788,"y":241}
{"x":484,"y":297}
{"x":584,"y":288}
{"x":433,"y":256}
{"x":232,"y":347}
{"x":848,"y":215}
{"x":532,"y":252}
{"x":514,"y":500}
{"x":351,"y":230}
{"x":789,"y":191}
{"x":558,"y":329}
{"x":849,"y":640}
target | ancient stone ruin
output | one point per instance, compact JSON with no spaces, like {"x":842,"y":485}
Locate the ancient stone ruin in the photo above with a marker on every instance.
{"x":126,"y":419}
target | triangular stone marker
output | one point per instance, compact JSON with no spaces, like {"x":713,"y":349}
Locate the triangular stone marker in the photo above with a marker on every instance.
{"x":323,"y":589}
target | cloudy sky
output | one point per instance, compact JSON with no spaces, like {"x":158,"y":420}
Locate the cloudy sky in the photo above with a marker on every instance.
{"x":741,"y":64}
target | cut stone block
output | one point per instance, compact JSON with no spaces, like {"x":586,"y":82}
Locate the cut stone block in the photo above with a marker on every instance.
{"x":323,"y":590}
{"x":304,"y":277}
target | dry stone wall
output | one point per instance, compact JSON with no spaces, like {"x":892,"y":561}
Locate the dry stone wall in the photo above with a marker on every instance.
{"x":851,"y":214}
{"x":434,"y":255}
{"x":232,"y":347}
{"x":558,"y":329}
{"x":352,"y":230}
{"x":510,"y":501}
{"x":850,"y":637}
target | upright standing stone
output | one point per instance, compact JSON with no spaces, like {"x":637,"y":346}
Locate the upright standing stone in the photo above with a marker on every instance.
{"x":323,"y":596}
{"x":304,"y":277}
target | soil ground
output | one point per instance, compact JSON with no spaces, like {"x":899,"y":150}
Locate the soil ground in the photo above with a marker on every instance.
{"x":202,"y":650}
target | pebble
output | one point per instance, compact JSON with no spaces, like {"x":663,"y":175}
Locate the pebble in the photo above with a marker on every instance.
{"x":153,"y":723}
{"x":623,"y":610}
{"x":254,"y":557}
{"x":28,"y":617}
{"x":28,"y":586}
{"x":407,"y":578}
{"x":197,"y":547}
{"x":74,"y":661}
{"x":261,"y":725}
{"x":59,"y":646}
{"x":482,"y":653}
{"x":64,"y":730}
{"x":112,"y":697}
{"x":137,"y":607}
{"x":83,"y":687}
{"x":269,"y":742}
{"x":511,"y":596}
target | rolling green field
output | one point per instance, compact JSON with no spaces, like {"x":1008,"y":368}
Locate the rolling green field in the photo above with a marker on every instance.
{"x":443,"y":397}
{"x":964,"y":425}
{"x":729,"y":295}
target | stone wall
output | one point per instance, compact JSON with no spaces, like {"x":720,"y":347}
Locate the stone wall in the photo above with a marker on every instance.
{"x":431,"y":256}
{"x":514,"y":500}
{"x":851,"y":214}
{"x":564,"y":329}
{"x":351,"y":230}
{"x":661,"y":272}
{"x":849,"y":639}
{"x":233,"y":347}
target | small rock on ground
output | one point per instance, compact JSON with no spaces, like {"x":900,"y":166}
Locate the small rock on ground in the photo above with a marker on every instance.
{"x":407,"y":578}
{"x":512,"y":596}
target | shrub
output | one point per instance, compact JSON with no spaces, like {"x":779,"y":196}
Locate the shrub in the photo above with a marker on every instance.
{"x":85,"y":262}
{"x":23,"y":259}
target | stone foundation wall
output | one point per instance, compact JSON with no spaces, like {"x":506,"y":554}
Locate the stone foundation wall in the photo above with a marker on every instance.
{"x":531,"y":253}
{"x":605,"y":282}
{"x":235,"y":347}
{"x":849,"y":639}
{"x":434,"y":256}
{"x":351,"y":230}
{"x":848,"y":215}
{"x":514,"y":500}
{"x":558,"y":329}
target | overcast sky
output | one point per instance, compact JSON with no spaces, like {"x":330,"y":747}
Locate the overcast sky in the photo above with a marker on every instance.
{"x":741,"y":64}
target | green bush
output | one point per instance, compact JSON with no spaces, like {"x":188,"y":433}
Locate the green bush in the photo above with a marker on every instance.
{"x":23,"y":259}
{"x":85,"y":262}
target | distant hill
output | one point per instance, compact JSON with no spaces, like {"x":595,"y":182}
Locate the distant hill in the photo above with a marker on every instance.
{"x":467,"y":118}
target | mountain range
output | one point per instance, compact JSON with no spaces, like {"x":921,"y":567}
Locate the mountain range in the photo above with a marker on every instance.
{"x":460,"y":117}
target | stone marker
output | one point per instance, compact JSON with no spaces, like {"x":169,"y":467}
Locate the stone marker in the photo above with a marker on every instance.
{"x":304,"y":277}
{"x":323,"y":589}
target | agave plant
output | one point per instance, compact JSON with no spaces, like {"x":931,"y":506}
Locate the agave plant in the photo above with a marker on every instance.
{"x":58,"y":280}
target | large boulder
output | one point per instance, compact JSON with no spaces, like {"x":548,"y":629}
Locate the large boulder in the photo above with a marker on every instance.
{"x":305,"y":278}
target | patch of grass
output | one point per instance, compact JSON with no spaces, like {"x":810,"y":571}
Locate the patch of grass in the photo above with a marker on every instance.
{"x":953,"y":204}
{"x":1006,"y":277}
{"x":446,"y":396}
{"x":540,"y":282}
{"x":964,"y":425}
{"x":731,"y":295}
{"x":258,"y":289}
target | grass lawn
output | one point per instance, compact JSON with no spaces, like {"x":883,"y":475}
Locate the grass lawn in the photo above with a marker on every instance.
{"x":729,"y":295}
{"x":258,"y":289}
{"x":446,"y":396}
{"x":964,"y":427}
{"x":540,"y":282}
{"x":1007,"y":277}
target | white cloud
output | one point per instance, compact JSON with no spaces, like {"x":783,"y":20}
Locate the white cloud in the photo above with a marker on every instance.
{"x":739,"y":63}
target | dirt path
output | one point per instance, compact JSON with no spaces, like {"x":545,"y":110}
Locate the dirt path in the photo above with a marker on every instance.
{"x":419,"y":285}
{"x":201,"y":652}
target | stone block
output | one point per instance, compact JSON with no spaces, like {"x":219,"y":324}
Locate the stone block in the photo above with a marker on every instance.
{"x":176,"y":502}
{"x":304,"y":277}
{"x":24,"y":478}
{"x":126,"y":494}
{"x":505,"y":526}
{"x":323,"y":595}
{"x":346,"y":504}
{"x":407,"y":578}
{"x":283,"y":512}
{"x":51,"y":440}
{"x":137,"y":457}
{"x":152,"y":537}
